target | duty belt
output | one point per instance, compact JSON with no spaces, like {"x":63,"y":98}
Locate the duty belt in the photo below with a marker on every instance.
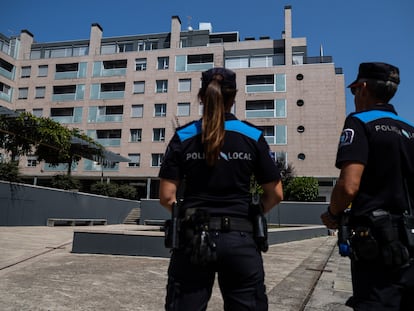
{"x":226,"y":224}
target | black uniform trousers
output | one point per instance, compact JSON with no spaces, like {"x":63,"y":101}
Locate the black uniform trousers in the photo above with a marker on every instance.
{"x":240,"y":273}
{"x":377,"y":287}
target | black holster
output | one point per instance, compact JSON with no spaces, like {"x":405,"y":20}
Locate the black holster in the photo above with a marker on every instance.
{"x":379,"y":236}
{"x":197,"y":240}
{"x":172,"y":227}
{"x":259,"y":221}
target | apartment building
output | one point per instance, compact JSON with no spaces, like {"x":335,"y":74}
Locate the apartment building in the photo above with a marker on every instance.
{"x":129,"y":93}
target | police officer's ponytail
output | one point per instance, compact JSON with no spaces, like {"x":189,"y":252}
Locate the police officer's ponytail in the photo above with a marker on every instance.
{"x":217,"y":97}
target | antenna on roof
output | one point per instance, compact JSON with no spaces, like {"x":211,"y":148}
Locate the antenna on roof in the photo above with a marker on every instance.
{"x":189,"y":18}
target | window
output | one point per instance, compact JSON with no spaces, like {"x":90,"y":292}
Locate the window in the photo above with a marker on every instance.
{"x":199,"y":62}
{"x":300,"y":102}
{"x":40,"y":92}
{"x":163,"y":62}
{"x":140,"y":64}
{"x":43,"y":69}
{"x":162,"y":86}
{"x":301,"y":129}
{"x":297,"y":58}
{"x":184,"y":85}
{"x":26,"y":72}
{"x":158,"y":134}
{"x":64,"y":89}
{"x":125,"y":47}
{"x":139,"y":87}
{"x":6,"y":89}
{"x":113,"y":87}
{"x":67,"y":67}
{"x":301,"y":156}
{"x":23,"y":92}
{"x":31,"y":161}
{"x":200,"y":59}
{"x":281,"y":138}
{"x":156,"y":159}
{"x":275,"y":135}
{"x":237,"y":62}
{"x":266,"y":108}
{"x":183,"y":109}
{"x":37,"y":112}
{"x":135,"y":159}
{"x":160,"y":110}
{"x":135,"y":135}
{"x":280,"y":108}
{"x":299,"y":77}
{"x":137,"y":111}
{"x":147,"y":45}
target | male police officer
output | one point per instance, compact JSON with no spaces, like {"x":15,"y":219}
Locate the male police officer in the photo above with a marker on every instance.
{"x":376,"y":159}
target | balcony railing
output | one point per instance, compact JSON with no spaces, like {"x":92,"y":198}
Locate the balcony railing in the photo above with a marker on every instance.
{"x":109,"y":142}
{"x":7,"y":74}
{"x":64,"y":119}
{"x":260,"y":88}
{"x":264,"y":113}
{"x":109,"y":118}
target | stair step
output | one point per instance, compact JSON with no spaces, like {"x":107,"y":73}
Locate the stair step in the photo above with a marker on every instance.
{"x":133,"y":216}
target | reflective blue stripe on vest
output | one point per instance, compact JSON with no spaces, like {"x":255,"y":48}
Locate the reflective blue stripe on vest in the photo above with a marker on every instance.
{"x":194,"y":129}
{"x":372,"y":115}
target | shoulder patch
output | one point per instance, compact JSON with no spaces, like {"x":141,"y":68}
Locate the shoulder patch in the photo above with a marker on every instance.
{"x":347,"y":137}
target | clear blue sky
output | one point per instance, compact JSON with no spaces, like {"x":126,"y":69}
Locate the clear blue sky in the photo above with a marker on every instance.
{"x":351,"y":31}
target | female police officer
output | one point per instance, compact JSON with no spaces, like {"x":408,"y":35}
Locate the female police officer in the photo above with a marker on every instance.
{"x":216,"y":156}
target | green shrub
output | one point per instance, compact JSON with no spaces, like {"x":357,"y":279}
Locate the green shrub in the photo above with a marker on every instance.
{"x":302,"y":189}
{"x":65,"y":182}
{"x":126,"y":192}
{"x":9,"y":171}
{"x":107,"y":189}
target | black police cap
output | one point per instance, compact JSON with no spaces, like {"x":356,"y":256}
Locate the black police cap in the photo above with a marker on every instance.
{"x":377,"y":71}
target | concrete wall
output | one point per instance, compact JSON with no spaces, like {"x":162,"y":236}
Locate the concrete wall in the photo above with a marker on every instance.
{"x":26,"y":205}
{"x":307,"y":213}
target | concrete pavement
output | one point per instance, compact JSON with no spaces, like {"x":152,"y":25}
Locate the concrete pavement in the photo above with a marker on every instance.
{"x":39,"y":272}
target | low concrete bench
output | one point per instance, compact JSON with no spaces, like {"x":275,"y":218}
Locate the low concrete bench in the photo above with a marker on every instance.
{"x":154,"y":222}
{"x":75,"y":221}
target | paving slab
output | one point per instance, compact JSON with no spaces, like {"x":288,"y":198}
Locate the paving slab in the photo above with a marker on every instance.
{"x":39,"y":272}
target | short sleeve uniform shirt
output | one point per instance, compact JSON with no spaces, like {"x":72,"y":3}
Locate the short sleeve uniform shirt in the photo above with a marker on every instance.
{"x":384,"y":143}
{"x":224,"y":188}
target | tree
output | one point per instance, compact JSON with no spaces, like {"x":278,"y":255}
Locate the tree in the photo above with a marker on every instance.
{"x":303,"y":189}
{"x":47,"y":139}
{"x":17,"y":134}
{"x":9,"y":171}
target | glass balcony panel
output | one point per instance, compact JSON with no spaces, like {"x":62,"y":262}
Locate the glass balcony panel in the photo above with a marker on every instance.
{"x":109,"y":118}
{"x":66,"y":75}
{"x":270,"y":140}
{"x":264,"y":113}
{"x":63,"y":97}
{"x":63,"y":119}
{"x":109,"y":142}
{"x":6,"y":74}
{"x":97,"y":167}
{"x":5,"y":96}
{"x":113,"y":72}
{"x":260,"y":88}
{"x":199,"y":67}
{"x":60,"y":167}
{"x":111,"y":95}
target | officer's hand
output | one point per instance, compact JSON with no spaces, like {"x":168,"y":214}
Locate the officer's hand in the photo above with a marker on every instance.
{"x":330,"y":221}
